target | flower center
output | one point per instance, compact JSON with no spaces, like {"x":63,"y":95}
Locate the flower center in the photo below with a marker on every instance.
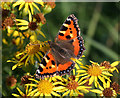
{"x":32,"y":48}
{"x":108,"y":92}
{"x":25,"y":79}
{"x":45,"y":87}
{"x":40,"y":18}
{"x":72,"y":85}
{"x":8,"y":22}
{"x":94,"y":70}
{"x":32,"y":25}
{"x":106,"y":64}
{"x":115,"y":86}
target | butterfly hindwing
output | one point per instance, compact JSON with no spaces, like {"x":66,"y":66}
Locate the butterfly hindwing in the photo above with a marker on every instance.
{"x":65,"y":68}
{"x":47,"y":67}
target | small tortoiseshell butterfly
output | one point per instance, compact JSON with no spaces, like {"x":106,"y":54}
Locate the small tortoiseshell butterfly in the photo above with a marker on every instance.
{"x":68,"y":44}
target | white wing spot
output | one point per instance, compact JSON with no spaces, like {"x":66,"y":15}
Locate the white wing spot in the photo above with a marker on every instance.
{"x":38,"y":70}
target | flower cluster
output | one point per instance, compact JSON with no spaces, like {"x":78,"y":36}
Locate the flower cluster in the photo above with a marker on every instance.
{"x":22,"y":23}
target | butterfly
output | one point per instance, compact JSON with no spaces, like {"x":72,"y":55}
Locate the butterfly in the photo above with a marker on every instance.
{"x":68,"y":44}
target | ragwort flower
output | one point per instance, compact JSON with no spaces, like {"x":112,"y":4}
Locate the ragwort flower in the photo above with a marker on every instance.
{"x":72,"y":86}
{"x":22,"y":94}
{"x":8,"y":23}
{"x":110,"y":67}
{"x":44,"y":87}
{"x":28,"y":5}
{"x":116,"y":87}
{"x":31,"y":27}
{"x":33,"y":49}
{"x":94,"y":73}
{"x":105,"y":91}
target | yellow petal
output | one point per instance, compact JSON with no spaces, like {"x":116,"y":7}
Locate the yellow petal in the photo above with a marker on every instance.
{"x":85,"y":90}
{"x":101,"y":88}
{"x":21,"y":5}
{"x":22,"y":94}
{"x":66,"y":93}
{"x":23,"y":21}
{"x":32,"y":92}
{"x":55,"y":94}
{"x":40,"y":54}
{"x":37,"y":56}
{"x":58,"y":88}
{"x":33,"y":80}
{"x":74,"y":72}
{"x":83,"y":78}
{"x":71,"y":92}
{"x":108,"y":84}
{"x":81,"y":71}
{"x":42,"y":33}
{"x":40,"y":2}
{"x":84,"y":67}
{"x":107,"y":73}
{"x":17,"y":3}
{"x":106,"y":77}
{"x":48,"y":95}
{"x":59,"y":78}
{"x":35,"y":6}
{"x":27,"y":60}
{"x":115,"y":63}
{"x":31,"y":7}
{"x":37,"y":94}
{"x":83,"y":82}
{"x":8,"y":28}
{"x":102,"y":79}
{"x":30,"y":16}
{"x":82,"y":87}
{"x":79,"y":92}
{"x":35,"y":85}
{"x":77,"y":67}
{"x":17,"y":56}
{"x":23,"y":28}
{"x":22,"y":24}
{"x":91,"y":80}
{"x":56,"y":83}
{"x":32,"y":59}
{"x":79,"y":62}
{"x":96,"y":91}
{"x":82,"y":75}
{"x":14,"y":66}
{"x":15,"y":95}
{"x":26,"y":7}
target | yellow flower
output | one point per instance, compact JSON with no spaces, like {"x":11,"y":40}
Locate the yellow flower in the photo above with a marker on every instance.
{"x":8,"y":23}
{"x":110,"y":67}
{"x":5,"y":5}
{"x":26,"y":94}
{"x":30,"y":27}
{"x":33,"y":49}
{"x":4,"y":41}
{"x":105,"y":91}
{"x":72,"y":86}
{"x":116,"y":87}
{"x":44,"y":87}
{"x":16,"y":60}
{"x":28,"y":5}
{"x":92,"y":73}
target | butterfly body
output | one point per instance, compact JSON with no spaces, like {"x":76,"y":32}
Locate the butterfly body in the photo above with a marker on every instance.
{"x":68,"y":44}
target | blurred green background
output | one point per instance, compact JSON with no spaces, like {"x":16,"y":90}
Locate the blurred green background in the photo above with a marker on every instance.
{"x":99,"y":24}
